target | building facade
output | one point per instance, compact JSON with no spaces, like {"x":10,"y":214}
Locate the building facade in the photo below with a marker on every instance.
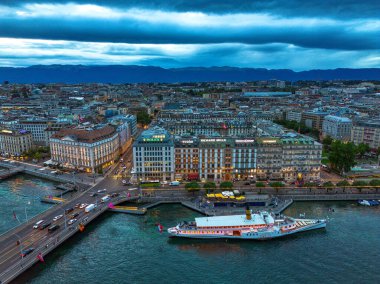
{"x":37,"y":128}
{"x":15,"y":142}
{"x":88,"y":149}
{"x":336,"y":127}
{"x":153,"y":156}
{"x":367,"y":132}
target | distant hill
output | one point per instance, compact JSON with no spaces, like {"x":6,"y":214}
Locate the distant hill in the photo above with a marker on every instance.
{"x":146,"y":74}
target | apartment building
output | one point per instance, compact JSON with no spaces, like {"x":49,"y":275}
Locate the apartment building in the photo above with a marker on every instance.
{"x":15,"y":142}
{"x":367,"y":132}
{"x":336,"y":127}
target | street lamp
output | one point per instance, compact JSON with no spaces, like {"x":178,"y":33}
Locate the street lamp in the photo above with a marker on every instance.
{"x":26,"y":214}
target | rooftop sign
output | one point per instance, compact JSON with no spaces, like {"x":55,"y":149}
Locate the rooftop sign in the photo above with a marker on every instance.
{"x":213,"y":140}
{"x":245,"y":141}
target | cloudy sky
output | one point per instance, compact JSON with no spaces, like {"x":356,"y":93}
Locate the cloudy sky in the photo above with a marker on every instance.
{"x":275,"y":34}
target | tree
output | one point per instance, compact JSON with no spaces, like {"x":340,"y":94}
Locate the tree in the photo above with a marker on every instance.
{"x":374,"y":182}
{"x":342,"y":156}
{"x":192,"y":187}
{"x":359,"y":183}
{"x":378,"y":151}
{"x":327,"y":141}
{"x":328,"y":184}
{"x":343,"y":183}
{"x":260,"y":184}
{"x":276,"y":184}
{"x":209,"y":186}
{"x":143,"y":118}
{"x":226,"y":185}
{"x":361,"y":149}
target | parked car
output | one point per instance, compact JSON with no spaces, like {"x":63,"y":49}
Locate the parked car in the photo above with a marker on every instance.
{"x":77,"y":205}
{"x":93,"y":194}
{"x":27,"y":251}
{"x":115,"y":194}
{"x":56,"y":218}
{"x":102,"y":190}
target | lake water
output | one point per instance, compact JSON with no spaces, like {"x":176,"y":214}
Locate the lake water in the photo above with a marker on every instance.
{"x":121,"y":248}
{"x":21,"y":195}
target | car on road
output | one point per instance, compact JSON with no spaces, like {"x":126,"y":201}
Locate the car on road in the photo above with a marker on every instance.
{"x":38,"y":224}
{"x":83,"y":205}
{"x":56,"y":218}
{"x":102,"y":190}
{"x":27,"y":251}
{"x":53,"y":228}
{"x":72,"y":221}
{"x":115,"y":194}
{"x":44,"y":225}
{"x":68,"y":210}
{"x":93,"y":194}
{"x":72,"y":216}
{"x":77,"y":205}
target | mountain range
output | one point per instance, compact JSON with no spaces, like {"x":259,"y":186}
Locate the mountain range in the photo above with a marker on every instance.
{"x":147,"y":74}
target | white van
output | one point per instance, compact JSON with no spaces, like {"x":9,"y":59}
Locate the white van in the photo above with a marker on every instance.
{"x":174,"y":183}
{"x":38,"y":224}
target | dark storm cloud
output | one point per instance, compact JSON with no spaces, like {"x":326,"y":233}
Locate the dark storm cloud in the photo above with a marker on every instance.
{"x":176,"y":33}
{"x":337,"y":36}
{"x":325,"y":8}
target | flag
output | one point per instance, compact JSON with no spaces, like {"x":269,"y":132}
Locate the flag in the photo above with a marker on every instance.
{"x":160,"y":227}
{"x":40,"y":257}
{"x":129,"y":194}
{"x":14,"y":215}
{"x":110,"y":205}
{"x":81,"y":227}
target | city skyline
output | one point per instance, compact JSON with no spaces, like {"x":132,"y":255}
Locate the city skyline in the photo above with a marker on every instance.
{"x":296,"y":35}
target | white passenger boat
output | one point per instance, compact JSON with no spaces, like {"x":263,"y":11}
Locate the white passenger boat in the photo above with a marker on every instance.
{"x":257,"y":226}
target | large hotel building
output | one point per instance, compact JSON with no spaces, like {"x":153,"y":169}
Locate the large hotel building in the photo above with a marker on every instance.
{"x":88,"y":149}
{"x":225,"y":158}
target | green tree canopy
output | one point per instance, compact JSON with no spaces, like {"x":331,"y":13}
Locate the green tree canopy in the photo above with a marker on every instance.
{"x":374,"y":182}
{"x":260,"y":184}
{"x":343,"y":183}
{"x":361,"y":149}
{"x":143,"y":118}
{"x":359,"y":183}
{"x":209,"y":185}
{"x":328,"y":184}
{"x":192,"y":186}
{"x":342,"y":156}
{"x":226,"y":185}
{"x":276,"y":184}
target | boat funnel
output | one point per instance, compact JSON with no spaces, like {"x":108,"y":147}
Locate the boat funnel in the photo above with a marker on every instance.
{"x":248,"y":213}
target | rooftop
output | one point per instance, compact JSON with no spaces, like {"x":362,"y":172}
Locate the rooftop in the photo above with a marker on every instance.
{"x":85,"y":135}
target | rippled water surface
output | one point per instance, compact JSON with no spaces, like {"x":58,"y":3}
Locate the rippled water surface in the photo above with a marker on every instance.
{"x":122,"y":248}
{"x":21,"y":195}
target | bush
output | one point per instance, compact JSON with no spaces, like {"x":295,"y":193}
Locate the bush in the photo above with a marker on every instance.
{"x":226,"y":185}
{"x":359,"y":183}
{"x":328,"y":184}
{"x":276,"y":184}
{"x":343,"y":183}
{"x":375,"y":182}
{"x":260,"y":184}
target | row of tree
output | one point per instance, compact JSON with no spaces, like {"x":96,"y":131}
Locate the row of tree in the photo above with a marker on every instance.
{"x":208,"y":186}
